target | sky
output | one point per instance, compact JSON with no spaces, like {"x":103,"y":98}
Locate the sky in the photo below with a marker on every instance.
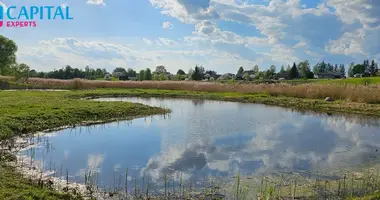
{"x":220,"y":35}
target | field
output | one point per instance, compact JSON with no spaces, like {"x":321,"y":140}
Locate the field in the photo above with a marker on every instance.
{"x":345,"y":92}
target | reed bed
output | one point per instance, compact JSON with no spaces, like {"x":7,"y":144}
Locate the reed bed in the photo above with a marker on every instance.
{"x":347,"y":92}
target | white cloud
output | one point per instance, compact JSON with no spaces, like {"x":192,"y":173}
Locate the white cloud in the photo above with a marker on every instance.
{"x":188,"y":11}
{"x":55,"y":54}
{"x":147,"y":41}
{"x":166,"y":42}
{"x":301,"y":44}
{"x":167,"y":25}
{"x":365,"y":12}
{"x":349,"y":43}
{"x":96,"y":2}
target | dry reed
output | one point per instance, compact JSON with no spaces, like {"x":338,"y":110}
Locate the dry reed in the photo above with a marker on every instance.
{"x":351,"y":93}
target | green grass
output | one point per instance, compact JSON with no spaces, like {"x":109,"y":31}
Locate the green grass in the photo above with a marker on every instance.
{"x":13,"y":186}
{"x":30,"y":111}
{"x":300,"y":104}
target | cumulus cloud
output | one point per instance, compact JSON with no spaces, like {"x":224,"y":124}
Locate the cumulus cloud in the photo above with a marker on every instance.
{"x":147,"y":41}
{"x":188,"y":11}
{"x":165,"y":41}
{"x":96,"y":2}
{"x":365,"y":12}
{"x":167,"y":25}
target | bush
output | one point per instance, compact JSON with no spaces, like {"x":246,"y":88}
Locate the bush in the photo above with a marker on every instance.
{"x":4,"y":85}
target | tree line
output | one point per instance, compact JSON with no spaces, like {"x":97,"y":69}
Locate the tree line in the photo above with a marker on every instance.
{"x":9,"y":67}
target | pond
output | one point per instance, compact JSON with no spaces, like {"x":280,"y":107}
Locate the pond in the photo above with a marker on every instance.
{"x":202,"y":138}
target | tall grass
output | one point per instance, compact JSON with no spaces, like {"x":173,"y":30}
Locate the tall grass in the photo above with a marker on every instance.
{"x":347,"y":92}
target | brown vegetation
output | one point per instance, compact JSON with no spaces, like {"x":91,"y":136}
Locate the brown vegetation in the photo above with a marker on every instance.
{"x":351,"y":93}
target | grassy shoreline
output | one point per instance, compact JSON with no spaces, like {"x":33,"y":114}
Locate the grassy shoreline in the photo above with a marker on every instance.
{"x":25,"y":112}
{"x":300,"y":104}
{"x":31,"y":111}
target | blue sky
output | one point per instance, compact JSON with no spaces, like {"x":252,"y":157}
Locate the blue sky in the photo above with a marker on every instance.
{"x":221,"y":35}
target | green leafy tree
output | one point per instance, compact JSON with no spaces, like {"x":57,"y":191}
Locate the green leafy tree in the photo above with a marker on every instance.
{"x":272,"y":69}
{"x":373,"y":68}
{"x":163,"y":77}
{"x":350,"y":71}
{"x":288,"y":68}
{"x":160,"y":70}
{"x":197,"y":74}
{"x":293,"y":73}
{"x":117,"y":72}
{"x":256,"y":69}
{"x":282,"y":70}
{"x":8,"y":49}
{"x":181,"y":72}
{"x":240,"y":71}
{"x":147,"y":74}
{"x":141,"y":75}
{"x":20,"y":71}
{"x":131,"y":73}
{"x":358,"y":69}
{"x":304,"y":70}
{"x":342,"y":69}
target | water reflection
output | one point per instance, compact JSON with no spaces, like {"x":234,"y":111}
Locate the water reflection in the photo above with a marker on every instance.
{"x":202,"y":138}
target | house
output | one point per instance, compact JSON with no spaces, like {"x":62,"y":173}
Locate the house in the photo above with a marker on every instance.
{"x":329,"y":75}
{"x":358,"y":75}
{"x":227,"y":76}
{"x":282,"y":75}
{"x":241,"y":76}
{"x":132,"y":78}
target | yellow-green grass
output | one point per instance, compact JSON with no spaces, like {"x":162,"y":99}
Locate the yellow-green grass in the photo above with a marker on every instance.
{"x":13,"y":187}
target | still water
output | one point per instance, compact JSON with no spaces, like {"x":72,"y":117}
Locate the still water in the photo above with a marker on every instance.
{"x":210,"y":138}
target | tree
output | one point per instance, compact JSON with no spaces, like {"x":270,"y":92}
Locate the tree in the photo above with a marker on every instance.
{"x":119,"y":71}
{"x":20,"y":71}
{"x":131,"y":73}
{"x":142,"y":75}
{"x":162,"y":77}
{"x":181,"y":72}
{"x":147,"y":74}
{"x":211,"y":73}
{"x":350,"y":72}
{"x":342,"y":69}
{"x":282,"y":69}
{"x":293,"y":73}
{"x":373,"y":68}
{"x":197,"y":74}
{"x":304,"y":70}
{"x":107,"y":77}
{"x":160,"y":70}
{"x":272,"y":69}
{"x":190,"y":73}
{"x":256,"y":69}
{"x":268,"y":74}
{"x":240,"y":71}
{"x":246,"y":77}
{"x":367,"y":67}
{"x":8,"y":49}
{"x":288,"y":68}
{"x":358,"y":69}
